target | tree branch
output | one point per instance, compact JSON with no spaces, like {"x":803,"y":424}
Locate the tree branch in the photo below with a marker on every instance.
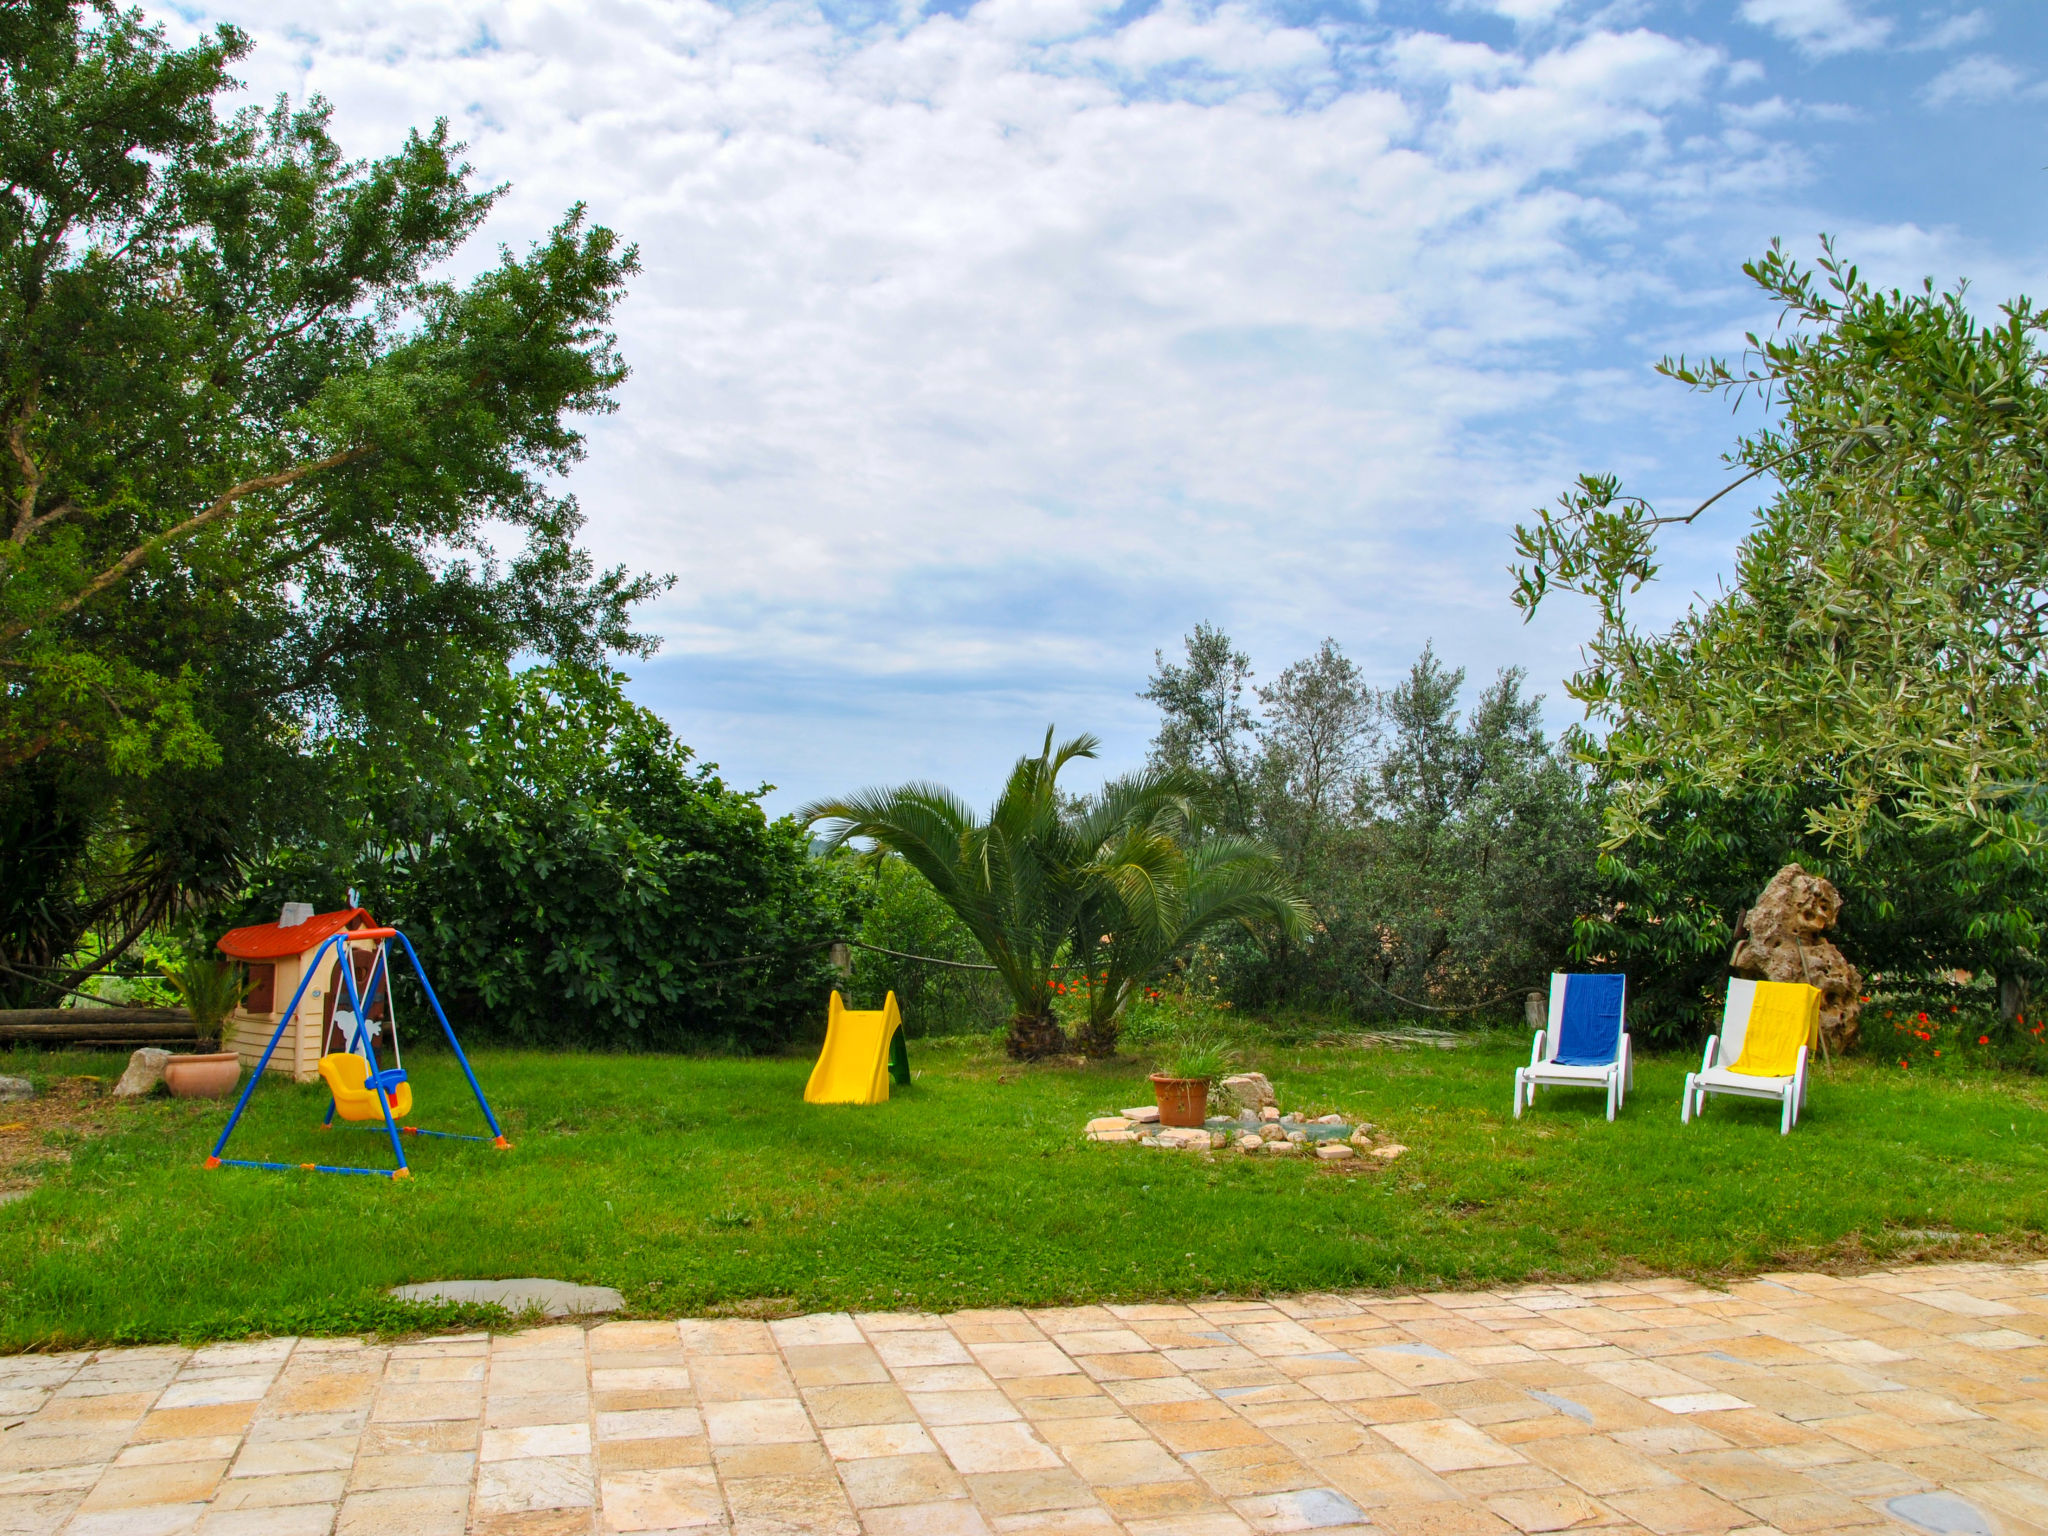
{"x":221,"y":506}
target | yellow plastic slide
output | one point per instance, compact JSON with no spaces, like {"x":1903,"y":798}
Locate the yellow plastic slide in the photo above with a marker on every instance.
{"x":854,"y":1066}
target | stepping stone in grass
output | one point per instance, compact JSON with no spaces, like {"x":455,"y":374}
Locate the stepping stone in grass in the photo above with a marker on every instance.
{"x":555,"y":1298}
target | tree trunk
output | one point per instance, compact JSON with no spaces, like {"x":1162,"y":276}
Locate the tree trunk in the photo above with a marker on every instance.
{"x":2013,"y":990}
{"x":1098,"y":1039}
{"x":1035,"y":1035}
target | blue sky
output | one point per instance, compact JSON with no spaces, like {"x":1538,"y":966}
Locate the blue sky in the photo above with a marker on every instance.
{"x":984,"y":348}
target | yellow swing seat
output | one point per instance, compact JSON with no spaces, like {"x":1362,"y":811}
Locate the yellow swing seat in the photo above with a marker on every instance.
{"x":347,"y":1076}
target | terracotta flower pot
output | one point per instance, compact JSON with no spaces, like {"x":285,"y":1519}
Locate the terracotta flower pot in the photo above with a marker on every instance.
{"x":1182,"y":1100}
{"x":203,"y":1077}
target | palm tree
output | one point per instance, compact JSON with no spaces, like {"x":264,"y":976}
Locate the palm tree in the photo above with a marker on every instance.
{"x":1157,"y":881}
{"x":1116,"y":885}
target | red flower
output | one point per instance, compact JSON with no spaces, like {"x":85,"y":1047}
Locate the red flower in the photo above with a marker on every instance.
{"x":1937,"y":1050}
{"x":1922,"y":1017}
{"x":1902,"y":1061}
{"x":1921,"y":1034}
{"x":1983,"y":1039}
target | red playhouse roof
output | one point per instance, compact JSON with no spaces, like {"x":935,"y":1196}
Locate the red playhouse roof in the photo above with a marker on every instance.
{"x":269,"y":941}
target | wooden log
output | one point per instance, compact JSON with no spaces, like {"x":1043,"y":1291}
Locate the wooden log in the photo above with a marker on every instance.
{"x":95,"y":1026}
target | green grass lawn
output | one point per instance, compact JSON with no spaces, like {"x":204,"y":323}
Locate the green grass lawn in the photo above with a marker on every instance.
{"x":696,"y":1185}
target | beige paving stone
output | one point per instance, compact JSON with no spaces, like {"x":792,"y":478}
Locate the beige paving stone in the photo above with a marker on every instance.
{"x":740,"y":1378}
{"x":534,"y":1483}
{"x":1119,"y":1463}
{"x":674,"y":1498}
{"x":1681,"y":1510}
{"x":417,"y":1439}
{"x":760,"y":1421}
{"x":516,"y":1410}
{"x":282,"y":1492}
{"x":153,"y":1453}
{"x":405,"y":1512}
{"x":918,"y":1478}
{"x":292,"y":1520}
{"x":1091,"y":1520}
{"x":1448,"y":1445}
{"x":1027,"y":1491}
{"x":827,"y":1365}
{"x":1547,"y":1509}
{"x":951,"y":1517}
{"x":802,"y":1458}
{"x":860,"y":1442}
{"x":653,"y":1455}
{"x":440,"y":1469}
{"x":841,"y":1407}
{"x":999,"y":1447}
{"x":174,"y":1483}
{"x":990,"y":1407}
{"x":649,"y":1423}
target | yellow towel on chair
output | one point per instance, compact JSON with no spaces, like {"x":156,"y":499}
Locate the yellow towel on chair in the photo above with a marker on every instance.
{"x":1785,"y":1016}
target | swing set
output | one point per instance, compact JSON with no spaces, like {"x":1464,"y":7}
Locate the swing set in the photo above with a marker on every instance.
{"x":360,"y":1088}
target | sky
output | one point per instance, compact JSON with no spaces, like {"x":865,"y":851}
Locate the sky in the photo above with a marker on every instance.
{"x":984,"y":347}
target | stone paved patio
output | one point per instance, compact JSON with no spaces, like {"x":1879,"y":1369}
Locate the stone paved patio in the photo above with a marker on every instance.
{"x":1796,"y":1403}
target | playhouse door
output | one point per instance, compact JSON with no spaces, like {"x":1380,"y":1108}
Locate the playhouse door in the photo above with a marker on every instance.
{"x":337,"y":1023}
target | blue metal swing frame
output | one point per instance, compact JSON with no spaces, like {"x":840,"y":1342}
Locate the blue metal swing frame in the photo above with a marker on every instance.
{"x":381,"y":1082}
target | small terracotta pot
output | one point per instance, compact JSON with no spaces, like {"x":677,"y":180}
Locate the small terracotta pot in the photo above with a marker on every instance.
{"x":1182,"y":1100}
{"x":203,"y":1077}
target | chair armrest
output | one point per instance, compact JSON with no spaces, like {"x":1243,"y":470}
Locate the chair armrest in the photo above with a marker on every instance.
{"x":1711,"y":1053}
{"x":1536,"y":1048}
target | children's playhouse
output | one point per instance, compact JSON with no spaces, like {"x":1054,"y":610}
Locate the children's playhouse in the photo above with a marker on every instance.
{"x":276,"y":955}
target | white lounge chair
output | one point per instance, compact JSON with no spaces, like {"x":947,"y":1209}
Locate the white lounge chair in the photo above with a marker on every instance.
{"x":1585,"y":1044}
{"x":1724,"y":1052}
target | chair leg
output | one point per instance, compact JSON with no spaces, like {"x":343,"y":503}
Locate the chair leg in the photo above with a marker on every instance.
{"x":1613,"y":1084}
{"x":1518,"y":1093}
{"x":1785,"y":1115}
{"x":1685,"y":1102}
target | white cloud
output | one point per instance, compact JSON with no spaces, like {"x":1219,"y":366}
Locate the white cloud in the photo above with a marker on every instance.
{"x":1978,"y":78}
{"x":1818,"y":26}
{"x":1955,"y":31}
{"x":975,"y":355}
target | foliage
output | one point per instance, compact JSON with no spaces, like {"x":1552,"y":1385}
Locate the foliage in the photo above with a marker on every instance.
{"x":583,"y":883}
{"x":1203,"y":718}
{"x":1111,"y":886}
{"x":905,"y":914}
{"x":1445,"y":855}
{"x":210,"y":991}
{"x":257,"y":462}
{"x":973,"y":1188}
{"x":1195,"y":1052}
{"x":1869,"y":694}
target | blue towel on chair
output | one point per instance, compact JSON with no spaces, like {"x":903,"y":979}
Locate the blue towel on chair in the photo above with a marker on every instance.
{"x":1589,"y":1035}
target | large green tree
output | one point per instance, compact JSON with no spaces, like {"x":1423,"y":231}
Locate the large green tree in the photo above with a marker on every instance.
{"x":1868,"y":692}
{"x":256,"y":463}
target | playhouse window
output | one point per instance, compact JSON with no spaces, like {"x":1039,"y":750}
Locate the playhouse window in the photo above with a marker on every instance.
{"x":262,"y":996}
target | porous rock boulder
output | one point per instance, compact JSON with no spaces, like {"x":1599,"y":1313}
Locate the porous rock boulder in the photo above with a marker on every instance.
{"x":1783,"y":938}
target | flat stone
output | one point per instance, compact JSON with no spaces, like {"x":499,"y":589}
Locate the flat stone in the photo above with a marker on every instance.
{"x":145,"y":1071}
{"x":1334,"y":1153}
{"x":1143,"y":1114}
{"x":556,"y":1298}
{"x":1329,"y":1120}
{"x":1112,"y":1135}
{"x":1249,"y":1143}
{"x":1283,"y":1146}
{"x":1109,"y":1123}
{"x":16,"y":1088}
{"x":1269,"y":1114}
{"x":1297,"y":1137}
{"x":1389,"y":1152}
